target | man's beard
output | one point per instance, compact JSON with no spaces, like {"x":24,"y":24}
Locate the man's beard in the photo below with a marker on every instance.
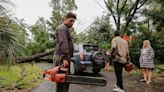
{"x":69,"y":26}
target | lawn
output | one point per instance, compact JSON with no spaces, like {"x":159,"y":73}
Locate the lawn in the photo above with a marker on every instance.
{"x":20,"y":76}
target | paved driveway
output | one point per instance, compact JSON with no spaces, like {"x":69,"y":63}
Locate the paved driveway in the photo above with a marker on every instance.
{"x":48,"y":86}
{"x":131,"y":83}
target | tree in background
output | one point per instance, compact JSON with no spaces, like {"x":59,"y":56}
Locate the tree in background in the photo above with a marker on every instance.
{"x":156,"y":15}
{"x":99,"y":33}
{"x":151,"y":29}
{"x":60,"y":9}
{"x":43,"y":31}
{"x":4,"y":5}
{"x":125,"y":12}
{"x":40,"y":38}
{"x":143,"y":19}
{"x":10,"y":35}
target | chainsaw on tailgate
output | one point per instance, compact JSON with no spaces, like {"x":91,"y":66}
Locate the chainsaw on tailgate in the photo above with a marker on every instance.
{"x":59,"y":75}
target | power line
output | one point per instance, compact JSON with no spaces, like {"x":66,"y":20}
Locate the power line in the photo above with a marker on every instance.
{"x":100,"y":5}
{"x":86,"y":28}
{"x":93,"y":22}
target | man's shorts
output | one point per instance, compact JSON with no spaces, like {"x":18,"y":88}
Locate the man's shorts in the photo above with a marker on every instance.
{"x":57,"y":60}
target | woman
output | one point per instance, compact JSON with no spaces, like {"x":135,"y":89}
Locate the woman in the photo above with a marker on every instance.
{"x":146,"y":61}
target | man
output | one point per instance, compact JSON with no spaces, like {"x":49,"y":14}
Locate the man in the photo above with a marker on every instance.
{"x":119,"y":54}
{"x":64,"y":47}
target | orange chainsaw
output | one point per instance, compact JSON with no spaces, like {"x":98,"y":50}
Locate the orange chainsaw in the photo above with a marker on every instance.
{"x":59,"y":75}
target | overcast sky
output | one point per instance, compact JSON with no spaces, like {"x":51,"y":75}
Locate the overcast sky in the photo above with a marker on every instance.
{"x":87,"y":11}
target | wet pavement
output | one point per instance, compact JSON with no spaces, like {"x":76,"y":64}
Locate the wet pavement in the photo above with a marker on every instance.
{"x":131,"y":83}
{"x":45,"y":86}
{"x":48,"y":86}
{"x":88,"y":88}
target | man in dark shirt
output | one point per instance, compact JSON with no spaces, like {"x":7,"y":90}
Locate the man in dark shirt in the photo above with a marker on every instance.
{"x":64,"y":47}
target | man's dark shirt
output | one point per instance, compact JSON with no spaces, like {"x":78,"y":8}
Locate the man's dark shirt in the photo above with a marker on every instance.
{"x":64,"y":44}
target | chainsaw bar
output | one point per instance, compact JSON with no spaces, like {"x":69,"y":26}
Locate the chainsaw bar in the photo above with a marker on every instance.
{"x":86,"y":80}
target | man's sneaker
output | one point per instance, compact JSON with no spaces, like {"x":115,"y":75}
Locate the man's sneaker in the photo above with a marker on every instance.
{"x":118,"y":90}
{"x":115,"y":86}
{"x":142,"y":80}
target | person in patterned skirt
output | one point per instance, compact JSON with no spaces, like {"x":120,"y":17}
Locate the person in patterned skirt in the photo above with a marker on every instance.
{"x":146,"y":61}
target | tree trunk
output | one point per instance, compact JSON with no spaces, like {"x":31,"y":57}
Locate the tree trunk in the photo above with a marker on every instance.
{"x":33,"y":57}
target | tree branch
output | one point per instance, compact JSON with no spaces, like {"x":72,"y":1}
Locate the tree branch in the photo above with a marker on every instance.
{"x":118,"y":16}
{"x":134,"y":12}
{"x":119,"y":12}
{"x":142,"y":4}
{"x":123,"y":6}
{"x":118,"y":6}
{"x":133,"y":7}
{"x":112,"y":13}
{"x":130,"y":16}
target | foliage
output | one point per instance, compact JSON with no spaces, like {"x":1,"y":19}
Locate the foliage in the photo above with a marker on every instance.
{"x":37,"y":38}
{"x":4,"y":5}
{"x":19,"y":76}
{"x":40,"y":38}
{"x":125,"y":12}
{"x":158,"y":44}
{"x":60,"y":9}
{"x":74,"y":35}
{"x":99,"y":33}
{"x":10,"y":40}
{"x":156,"y":14}
{"x":157,"y":41}
{"x":10,"y":35}
{"x":152,"y":29}
{"x":8,"y":76}
{"x":143,"y":19}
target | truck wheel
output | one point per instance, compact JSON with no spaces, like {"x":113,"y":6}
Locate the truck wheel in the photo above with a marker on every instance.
{"x":97,"y":56}
{"x":96,"y":71}
{"x":73,"y":68}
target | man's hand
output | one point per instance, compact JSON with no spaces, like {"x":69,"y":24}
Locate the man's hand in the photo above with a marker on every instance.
{"x":113,"y":52}
{"x":106,"y":66}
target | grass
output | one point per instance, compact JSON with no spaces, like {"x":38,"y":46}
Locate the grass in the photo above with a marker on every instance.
{"x":20,"y":76}
{"x":159,"y":70}
{"x":8,"y":77}
{"x":156,"y":72}
{"x":161,"y":66}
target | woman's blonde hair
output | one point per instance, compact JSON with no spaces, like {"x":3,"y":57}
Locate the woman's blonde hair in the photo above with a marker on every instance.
{"x":146,"y":42}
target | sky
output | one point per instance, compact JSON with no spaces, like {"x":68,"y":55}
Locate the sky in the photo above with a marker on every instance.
{"x":30,"y":10}
{"x":87,"y":11}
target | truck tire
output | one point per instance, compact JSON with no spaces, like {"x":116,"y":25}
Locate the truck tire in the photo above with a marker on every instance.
{"x":96,"y":71}
{"x":97,"y":57}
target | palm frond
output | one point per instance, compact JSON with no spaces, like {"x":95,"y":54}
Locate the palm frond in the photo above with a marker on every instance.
{"x":4,"y":6}
{"x":10,"y":44}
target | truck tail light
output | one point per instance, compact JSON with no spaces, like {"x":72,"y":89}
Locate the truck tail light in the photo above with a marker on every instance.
{"x":81,"y":56}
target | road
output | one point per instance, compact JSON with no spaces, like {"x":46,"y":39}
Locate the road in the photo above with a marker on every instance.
{"x":48,"y":86}
{"x":109,"y":76}
{"x":131,"y":83}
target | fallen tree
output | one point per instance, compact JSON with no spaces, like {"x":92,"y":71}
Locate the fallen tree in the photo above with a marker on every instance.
{"x":34,"y":57}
